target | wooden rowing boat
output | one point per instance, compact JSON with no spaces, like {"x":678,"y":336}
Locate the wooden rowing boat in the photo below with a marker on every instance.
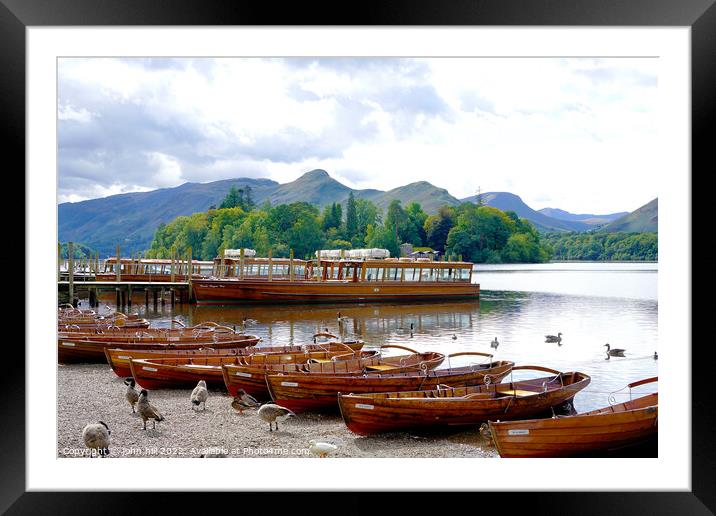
{"x":300,"y":391}
{"x":251,"y":376}
{"x":79,"y":320}
{"x":71,"y":349}
{"x":598,"y":431}
{"x":118,"y":358}
{"x":178,"y":373}
{"x":367,"y":414}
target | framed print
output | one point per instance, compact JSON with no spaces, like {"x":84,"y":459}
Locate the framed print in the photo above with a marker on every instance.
{"x":431,"y":185}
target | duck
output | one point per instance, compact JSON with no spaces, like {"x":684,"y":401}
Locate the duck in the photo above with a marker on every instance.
{"x":131,"y":395}
{"x":272,"y":413}
{"x":553,"y":338}
{"x":321,"y":449}
{"x":494,"y":343}
{"x":616,"y":352}
{"x":454,"y":337}
{"x":96,"y":437}
{"x":147,"y":410}
{"x":486,"y":433}
{"x":200,"y":394}
{"x":243,"y":401}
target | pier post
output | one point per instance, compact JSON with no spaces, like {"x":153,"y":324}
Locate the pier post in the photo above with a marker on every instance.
{"x":71,"y":270}
{"x":270,"y":265}
{"x":118,"y":297}
{"x":129,"y":295}
{"x":190,"y":271}
{"x":241,"y":263}
{"x":290,"y":267}
{"x":163,"y":301}
{"x":146,"y":296}
{"x":174,"y":253}
{"x":172,"y":297}
{"x":154,"y":293}
{"x":118,"y":267}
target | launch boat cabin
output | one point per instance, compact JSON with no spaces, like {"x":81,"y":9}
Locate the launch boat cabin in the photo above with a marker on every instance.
{"x":334,"y":279}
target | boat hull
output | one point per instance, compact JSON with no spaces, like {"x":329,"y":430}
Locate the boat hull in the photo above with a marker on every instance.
{"x":301,"y":393}
{"x":227,"y":291}
{"x":367,"y":415}
{"x":579,"y":435}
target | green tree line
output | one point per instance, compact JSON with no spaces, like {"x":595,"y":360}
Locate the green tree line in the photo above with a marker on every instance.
{"x":477,"y":233}
{"x":604,"y":246}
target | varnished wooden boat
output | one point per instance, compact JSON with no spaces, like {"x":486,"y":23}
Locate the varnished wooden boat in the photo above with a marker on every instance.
{"x":300,"y":392}
{"x":74,"y":349}
{"x":178,"y":373}
{"x":366,"y":414}
{"x":604,"y":430}
{"x":118,"y":359}
{"x":251,"y":376}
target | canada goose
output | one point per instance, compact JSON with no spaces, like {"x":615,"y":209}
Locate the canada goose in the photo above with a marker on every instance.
{"x":454,"y":337}
{"x":553,"y":338}
{"x":132,"y":395}
{"x":656,"y":357}
{"x":200,"y":394}
{"x":147,"y":410}
{"x":272,"y":413}
{"x":616,"y":352}
{"x":321,"y":449}
{"x":243,"y":401}
{"x":96,"y":437}
{"x":494,"y":343}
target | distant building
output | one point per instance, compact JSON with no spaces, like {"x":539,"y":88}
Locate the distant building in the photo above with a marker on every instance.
{"x":406,"y":249}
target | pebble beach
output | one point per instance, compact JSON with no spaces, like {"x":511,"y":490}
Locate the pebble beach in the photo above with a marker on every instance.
{"x":88,"y":393}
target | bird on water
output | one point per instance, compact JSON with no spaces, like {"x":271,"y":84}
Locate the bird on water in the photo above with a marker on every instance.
{"x":616,"y":352}
{"x":494,"y":343}
{"x":554,"y":338}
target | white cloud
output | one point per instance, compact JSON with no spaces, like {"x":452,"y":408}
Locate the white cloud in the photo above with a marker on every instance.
{"x":573,"y":133}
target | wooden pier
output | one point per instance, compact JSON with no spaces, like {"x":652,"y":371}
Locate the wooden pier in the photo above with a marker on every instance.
{"x":75,"y":277}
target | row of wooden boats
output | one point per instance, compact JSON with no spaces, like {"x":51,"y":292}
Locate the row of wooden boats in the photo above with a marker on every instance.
{"x":375,"y":390}
{"x":71,"y":319}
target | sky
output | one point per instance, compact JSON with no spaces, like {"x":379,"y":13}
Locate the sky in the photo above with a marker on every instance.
{"x":576,"y":134}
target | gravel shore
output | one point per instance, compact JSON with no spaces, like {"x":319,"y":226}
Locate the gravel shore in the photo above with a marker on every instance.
{"x":88,"y":393}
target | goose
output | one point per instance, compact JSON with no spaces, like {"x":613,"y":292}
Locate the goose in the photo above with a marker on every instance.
{"x":96,"y":437}
{"x":243,"y":401}
{"x":321,"y":449}
{"x":553,"y":338}
{"x":656,"y":357}
{"x":272,"y":413}
{"x":131,"y":395}
{"x":454,"y":337}
{"x":147,"y":410}
{"x":616,"y":352}
{"x":494,"y":343}
{"x":199,"y":395}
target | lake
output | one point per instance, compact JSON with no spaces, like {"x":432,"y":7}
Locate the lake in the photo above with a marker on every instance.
{"x":591,"y":304}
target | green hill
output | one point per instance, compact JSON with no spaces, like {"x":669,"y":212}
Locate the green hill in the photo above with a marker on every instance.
{"x":641,"y":220}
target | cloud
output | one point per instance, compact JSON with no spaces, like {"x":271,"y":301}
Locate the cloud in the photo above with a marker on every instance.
{"x":536,"y":127}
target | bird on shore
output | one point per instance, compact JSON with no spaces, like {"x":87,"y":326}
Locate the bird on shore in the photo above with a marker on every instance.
{"x":199,"y":395}
{"x":272,"y":413}
{"x":131,"y":395}
{"x":486,"y":433}
{"x":554,"y":338}
{"x":243,"y":401}
{"x":616,"y":352}
{"x":147,"y":410}
{"x":96,"y":437}
{"x":321,"y":449}
{"x":494,"y":343}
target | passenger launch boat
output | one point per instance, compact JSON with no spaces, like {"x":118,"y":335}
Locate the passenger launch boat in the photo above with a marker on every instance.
{"x":335,"y":279}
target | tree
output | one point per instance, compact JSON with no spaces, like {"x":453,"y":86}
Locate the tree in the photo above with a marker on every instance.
{"x":438,"y":226}
{"x":351,"y":217}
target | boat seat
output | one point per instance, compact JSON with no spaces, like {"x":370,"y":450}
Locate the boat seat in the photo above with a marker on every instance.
{"x":380,"y":367}
{"x":319,"y":361}
{"x":516,"y":392}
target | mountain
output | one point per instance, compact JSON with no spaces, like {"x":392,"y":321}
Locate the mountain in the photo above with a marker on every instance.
{"x":644,"y":219}
{"x":506,"y":201}
{"x":131,"y":219}
{"x":587,"y":218}
{"x":316,"y":187}
{"x":430,"y":197}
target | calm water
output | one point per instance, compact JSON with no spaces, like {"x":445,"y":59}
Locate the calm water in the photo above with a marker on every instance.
{"x":590,"y":303}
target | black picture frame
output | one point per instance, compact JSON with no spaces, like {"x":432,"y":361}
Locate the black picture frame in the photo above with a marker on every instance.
{"x":700,"y":15}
